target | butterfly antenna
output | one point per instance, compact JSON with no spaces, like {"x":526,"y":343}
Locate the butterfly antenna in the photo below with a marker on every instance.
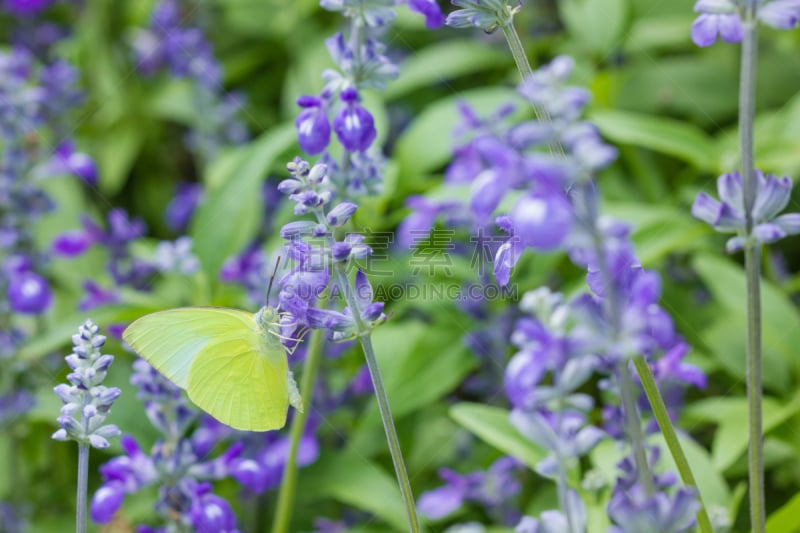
{"x":272,"y":277}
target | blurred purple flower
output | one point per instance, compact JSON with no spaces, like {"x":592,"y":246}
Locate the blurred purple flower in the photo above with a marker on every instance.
{"x":27,"y":7}
{"x":493,"y":488}
{"x":182,"y":206}
{"x":29,"y":294}
{"x":97,"y":296}
{"x":71,"y":243}
{"x":430,"y":10}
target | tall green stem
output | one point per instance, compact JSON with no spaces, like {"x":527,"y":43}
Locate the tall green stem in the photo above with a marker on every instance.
{"x":283,"y":512}
{"x":363,"y":333}
{"x":391,"y":433}
{"x":83,"y":487}
{"x":752,"y":262}
{"x":525,"y":70}
{"x":633,"y":427}
{"x":670,"y":436}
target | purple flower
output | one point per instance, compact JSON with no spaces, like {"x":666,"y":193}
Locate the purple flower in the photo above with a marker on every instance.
{"x":542,"y":221}
{"x":353,"y":124}
{"x":422,"y":219}
{"x":493,"y":488}
{"x":780,"y":14}
{"x":106,"y":502}
{"x":430,"y":9}
{"x":71,"y":243}
{"x":508,"y":253}
{"x":708,"y":26}
{"x":97,"y":296}
{"x":27,"y":7}
{"x":728,"y":214}
{"x":343,"y":324}
{"x":313,"y":128}
{"x":211,"y":514}
{"x":29,"y":293}
{"x":722,"y":18}
{"x":265,"y":470}
{"x":182,"y":206}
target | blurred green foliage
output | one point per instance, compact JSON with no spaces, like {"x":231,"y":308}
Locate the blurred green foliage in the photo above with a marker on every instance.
{"x":669,"y":106}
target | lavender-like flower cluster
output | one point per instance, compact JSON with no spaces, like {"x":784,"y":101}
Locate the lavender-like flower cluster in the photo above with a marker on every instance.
{"x":562,"y":343}
{"x":169,"y":45}
{"x":85,"y":396}
{"x":310,"y":189}
{"x":36,"y":101}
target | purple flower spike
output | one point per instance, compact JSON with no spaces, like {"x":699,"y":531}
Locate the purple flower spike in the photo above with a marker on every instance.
{"x":354,"y":125}
{"x":29,"y":293}
{"x":313,"y":129}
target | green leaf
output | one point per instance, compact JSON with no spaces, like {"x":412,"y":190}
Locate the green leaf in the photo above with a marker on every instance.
{"x":673,"y":137}
{"x":731,"y":437}
{"x":428,"y":144}
{"x":658,"y":230}
{"x":780,"y":335}
{"x":492,"y":426}
{"x":120,"y":146}
{"x":413,"y":377}
{"x":228,"y":218}
{"x":353,"y":480}
{"x":787,"y":518}
{"x":654,"y":33}
{"x":444,"y":61}
{"x":596,"y":24}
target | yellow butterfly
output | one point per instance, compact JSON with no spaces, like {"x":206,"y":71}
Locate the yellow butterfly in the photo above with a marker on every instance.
{"x":231,"y":362}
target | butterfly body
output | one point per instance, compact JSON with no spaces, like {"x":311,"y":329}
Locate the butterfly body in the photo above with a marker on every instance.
{"x":231,"y":362}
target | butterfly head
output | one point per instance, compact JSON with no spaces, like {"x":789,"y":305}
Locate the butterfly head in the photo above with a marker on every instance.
{"x":267,"y":317}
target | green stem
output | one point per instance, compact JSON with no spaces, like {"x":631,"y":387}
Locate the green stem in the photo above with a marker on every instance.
{"x":633,"y":427}
{"x":391,"y":433}
{"x":363,"y":333}
{"x":752,"y":259}
{"x":525,"y":70}
{"x":286,"y":495}
{"x":83,"y":484}
{"x":670,"y":436}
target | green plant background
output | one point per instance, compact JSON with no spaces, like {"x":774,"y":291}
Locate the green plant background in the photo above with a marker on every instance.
{"x":670,"y":108}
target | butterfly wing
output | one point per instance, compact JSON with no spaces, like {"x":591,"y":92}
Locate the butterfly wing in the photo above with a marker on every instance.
{"x":242,"y":382}
{"x":171,"y":340}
